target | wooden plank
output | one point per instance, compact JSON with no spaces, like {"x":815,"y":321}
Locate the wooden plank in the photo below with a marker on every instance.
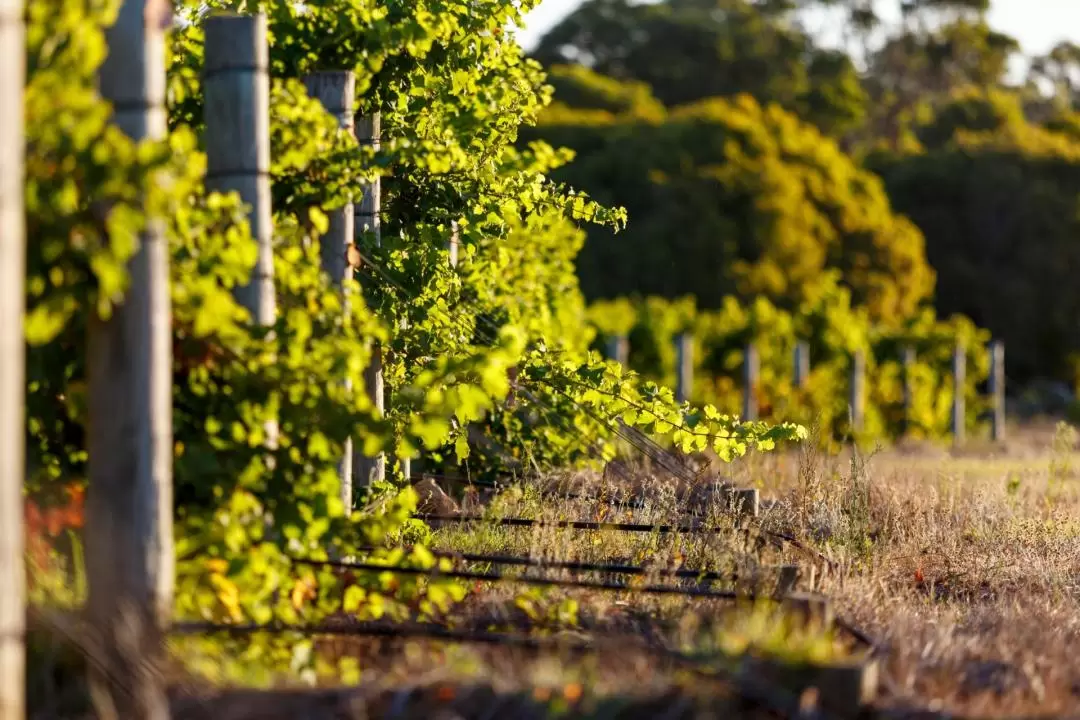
{"x":129,"y":538}
{"x":12,"y":362}
{"x":842,"y":689}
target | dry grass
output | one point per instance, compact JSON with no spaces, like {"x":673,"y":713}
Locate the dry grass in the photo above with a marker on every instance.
{"x":964,"y":565}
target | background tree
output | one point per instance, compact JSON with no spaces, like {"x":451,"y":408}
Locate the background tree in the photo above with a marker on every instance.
{"x":758,"y":196}
{"x":732,"y":196}
{"x":687,"y":50}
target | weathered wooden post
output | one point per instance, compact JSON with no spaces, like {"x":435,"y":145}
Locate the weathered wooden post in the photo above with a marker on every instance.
{"x":129,"y":503}
{"x":959,"y":380}
{"x":857,"y":387}
{"x":405,"y":463}
{"x":336,"y":91}
{"x":236,"y":88}
{"x":12,"y":362}
{"x":453,"y":243}
{"x":997,"y":390}
{"x":751,"y":373}
{"x":907,"y":361}
{"x":618,"y":349}
{"x":802,"y":365}
{"x":369,"y":470}
{"x":684,"y":353}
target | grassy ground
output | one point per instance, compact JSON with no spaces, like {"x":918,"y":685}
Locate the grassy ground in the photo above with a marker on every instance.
{"x":971,"y":575}
{"x":965,"y":565}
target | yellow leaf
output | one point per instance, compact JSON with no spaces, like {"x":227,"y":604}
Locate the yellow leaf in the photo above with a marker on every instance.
{"x":303,"y":590}
{"x":228,"y":595}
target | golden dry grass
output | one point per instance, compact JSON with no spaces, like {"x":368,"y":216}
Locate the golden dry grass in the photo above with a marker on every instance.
{"x":965,"y":565}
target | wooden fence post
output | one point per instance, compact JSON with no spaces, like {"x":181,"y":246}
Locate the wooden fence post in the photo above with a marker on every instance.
{"x":802,"y":365}
{"x":907,"y":362}
{"x":751,"y":373}
{"x":959,"y":379}
{"x":618,"y":349}
{"x":684,"y":379}
{"x":236,"y":90}
{"x":857,"y":387}
{"x":997,"y":390}
{"x":12,"y":362}
{"x":129,"y":503}
{"x":336,"y":90}
{"x":453,"y":243}
{"x":369,"y":470}
{"x":236,"y":87}
{"x":405,"y":463}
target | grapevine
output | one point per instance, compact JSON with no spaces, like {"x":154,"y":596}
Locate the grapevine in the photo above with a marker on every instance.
{"x":510,"y":308}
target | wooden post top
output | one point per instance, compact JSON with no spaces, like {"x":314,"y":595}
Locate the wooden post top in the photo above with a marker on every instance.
{"x":236,"y":43}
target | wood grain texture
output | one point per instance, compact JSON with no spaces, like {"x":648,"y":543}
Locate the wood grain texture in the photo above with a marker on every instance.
{"x":12,"y":362}
{"x":129,"y":539}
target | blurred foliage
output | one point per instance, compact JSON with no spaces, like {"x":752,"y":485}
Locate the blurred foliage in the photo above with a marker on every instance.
{"x":687,"y":50}
{"x":834,"y":330}
{"x":729,"y":196}
{"x":452,"y":90}
{"x":997,"y":197}
{"x":747,"y":148}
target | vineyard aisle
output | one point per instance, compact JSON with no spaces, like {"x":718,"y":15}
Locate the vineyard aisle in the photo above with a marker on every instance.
{"x":290,"y":295}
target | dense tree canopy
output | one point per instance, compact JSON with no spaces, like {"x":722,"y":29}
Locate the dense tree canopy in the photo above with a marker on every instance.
{"x":745,"y":148}
{"x":999,"y":201}
{"x":686,"y":50}
{"x":732,"y":196}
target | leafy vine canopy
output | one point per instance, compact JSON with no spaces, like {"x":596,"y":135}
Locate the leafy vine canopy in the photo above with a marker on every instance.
{"x":452,"y":91}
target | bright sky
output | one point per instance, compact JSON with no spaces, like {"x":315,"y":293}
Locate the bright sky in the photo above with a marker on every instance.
{"x":1037,"y":24}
